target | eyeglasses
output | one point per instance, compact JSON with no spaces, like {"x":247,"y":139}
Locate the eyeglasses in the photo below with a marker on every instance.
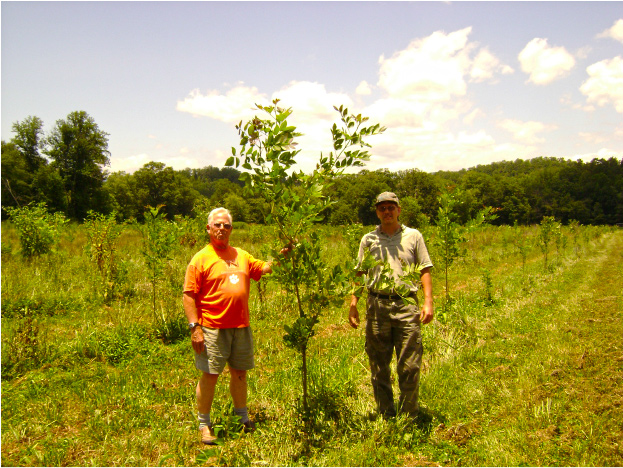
{"x":222,"y":225}
{"x":384,"y":208}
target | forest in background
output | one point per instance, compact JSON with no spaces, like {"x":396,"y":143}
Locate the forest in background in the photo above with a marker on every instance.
{"x":65,"y":169}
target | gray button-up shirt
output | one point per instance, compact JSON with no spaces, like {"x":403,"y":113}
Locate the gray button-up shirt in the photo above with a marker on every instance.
{"x":406,"y":244}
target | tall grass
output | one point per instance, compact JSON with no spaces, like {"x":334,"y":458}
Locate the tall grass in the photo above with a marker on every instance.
{"x":523,"y":368}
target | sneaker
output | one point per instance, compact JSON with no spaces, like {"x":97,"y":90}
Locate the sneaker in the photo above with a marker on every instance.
{"x":207,"y":435}
{"x":249,"y":426}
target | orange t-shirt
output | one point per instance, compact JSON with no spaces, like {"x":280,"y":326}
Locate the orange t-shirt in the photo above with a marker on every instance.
{"x":220,"y":281}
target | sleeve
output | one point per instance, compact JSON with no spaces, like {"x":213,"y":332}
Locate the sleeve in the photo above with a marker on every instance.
{"x":362,"y":246}
{"x":192,"y":279}
{"x":421,"y":252}
{"x":255,"y":267}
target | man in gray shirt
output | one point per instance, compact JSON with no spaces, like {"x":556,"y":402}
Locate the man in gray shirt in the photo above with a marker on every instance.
{"x":390,"y":323}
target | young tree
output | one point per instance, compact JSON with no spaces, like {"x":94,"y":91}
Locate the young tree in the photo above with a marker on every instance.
{"x":102,"y":234}
{"x":547,"y":232}
{"x":160,"y":237}
{"x":79,"y":149}
{"x":452,"y":235}
{"x":297,"y":201}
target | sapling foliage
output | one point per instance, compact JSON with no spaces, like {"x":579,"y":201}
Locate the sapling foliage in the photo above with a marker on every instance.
{"x":39,"y":231}
{"x":451,"y":235}
{"x":160,"y":237}
{"x":547,"y":232}
{"x":102,"y":233}
{"x":296,"y":201}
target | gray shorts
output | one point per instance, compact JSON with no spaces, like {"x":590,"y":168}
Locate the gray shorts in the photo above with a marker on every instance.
{"x":225,"y":345}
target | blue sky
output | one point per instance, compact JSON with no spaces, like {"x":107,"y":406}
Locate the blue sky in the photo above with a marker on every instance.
{"x":457,"y":84}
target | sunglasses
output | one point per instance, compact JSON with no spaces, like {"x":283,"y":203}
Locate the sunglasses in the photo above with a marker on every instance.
{"x":222,"y":225}
{"x":385,"y":208}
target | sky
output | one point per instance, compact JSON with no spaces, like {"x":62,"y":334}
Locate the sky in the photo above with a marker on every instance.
{"x":456,"y":84}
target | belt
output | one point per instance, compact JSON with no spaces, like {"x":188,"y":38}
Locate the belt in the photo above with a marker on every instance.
{"x":393,"y":297}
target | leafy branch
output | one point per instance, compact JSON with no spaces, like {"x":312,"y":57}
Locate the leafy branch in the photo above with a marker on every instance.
{"x":297,"y":201}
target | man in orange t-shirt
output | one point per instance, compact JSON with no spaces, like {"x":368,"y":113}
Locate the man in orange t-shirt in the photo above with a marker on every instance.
{"x":216,"y":302}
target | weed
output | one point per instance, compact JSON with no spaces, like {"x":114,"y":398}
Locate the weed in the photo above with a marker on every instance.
{"x":24,"y":348}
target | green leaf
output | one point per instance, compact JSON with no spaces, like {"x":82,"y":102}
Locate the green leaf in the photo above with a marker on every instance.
{"x":230,"y":161}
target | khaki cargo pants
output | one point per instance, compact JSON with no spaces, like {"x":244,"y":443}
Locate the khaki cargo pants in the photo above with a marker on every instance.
{"x":392,"y":325}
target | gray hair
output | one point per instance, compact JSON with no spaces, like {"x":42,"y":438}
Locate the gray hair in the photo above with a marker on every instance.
{"x":219,"y":210}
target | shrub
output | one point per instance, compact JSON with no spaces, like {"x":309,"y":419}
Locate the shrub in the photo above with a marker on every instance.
{"x":39,"y":231}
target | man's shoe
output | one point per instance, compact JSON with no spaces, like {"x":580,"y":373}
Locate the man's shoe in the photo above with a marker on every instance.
{"x":207,"y":435}
{"x":249,"y":426}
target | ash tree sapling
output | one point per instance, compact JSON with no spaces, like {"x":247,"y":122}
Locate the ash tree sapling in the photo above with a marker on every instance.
{"x":451,"y":235}
{"x":296,"y":202}
{"x":548,"y":229}
{"x":160,"y":238}
{"x":102,"y":232}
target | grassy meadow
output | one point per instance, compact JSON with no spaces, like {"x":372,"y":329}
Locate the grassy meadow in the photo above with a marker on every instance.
{"x":524,"y":367}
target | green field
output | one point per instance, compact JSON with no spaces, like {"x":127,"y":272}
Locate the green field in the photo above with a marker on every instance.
{"x":523,"y":368}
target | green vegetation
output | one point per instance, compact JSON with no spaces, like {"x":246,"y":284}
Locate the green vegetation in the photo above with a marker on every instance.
{"x":297,"y":203}
{"x":66,"y":170}
{"x":521,"y":367}
{"x":525,"y":371}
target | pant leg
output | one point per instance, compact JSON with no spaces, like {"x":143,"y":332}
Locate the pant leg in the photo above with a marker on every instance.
{"x":408,"y":341}
{"x":380,"y":349}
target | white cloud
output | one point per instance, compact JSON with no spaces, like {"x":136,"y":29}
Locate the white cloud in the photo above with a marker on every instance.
{"x":472,"y":116}
{"x":231,"y":107}
{"x":526,"y":132}
{"x":311,"y":101}
{"x":605,"y":83}
{"x":431,"y":69}
{"x":363,"y":89}
{"x":485,"y":65}
{"x":426,"y":83}
{"x":129,"y":163}
{"x":132,"y":163}
{"x":406,"y":148}
{"x":603,"y":153}
{"x":593,"y":137}
{"x":543,"y":63}
{"x":615,"y":32}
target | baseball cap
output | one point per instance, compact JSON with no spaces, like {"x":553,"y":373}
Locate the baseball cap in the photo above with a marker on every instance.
{"x":387,"y":197}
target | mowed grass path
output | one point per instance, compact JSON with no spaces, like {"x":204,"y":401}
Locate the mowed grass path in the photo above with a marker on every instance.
{"x":535,"y":379}
{"x":543,"y":386}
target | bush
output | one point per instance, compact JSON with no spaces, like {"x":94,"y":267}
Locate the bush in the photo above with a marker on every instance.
{"x":39,"y":231}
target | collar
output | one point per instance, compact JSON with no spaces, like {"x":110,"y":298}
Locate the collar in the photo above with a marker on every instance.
{"x":380,"y":230}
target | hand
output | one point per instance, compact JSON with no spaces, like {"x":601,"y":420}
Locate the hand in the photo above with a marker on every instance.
{"x":197,"y":340}
{"x":353,"y":316}
{"x":426,"y":315}
{"x":288,"y":248}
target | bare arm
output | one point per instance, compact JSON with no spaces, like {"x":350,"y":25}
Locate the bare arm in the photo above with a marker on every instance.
{"x":426,"y":314}
{"x":353,"y":313}
{"x":190,"y":308}
{"x":268,"y":266}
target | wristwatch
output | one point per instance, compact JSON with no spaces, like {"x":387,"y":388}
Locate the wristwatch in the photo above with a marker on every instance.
{"x":192,"y":325}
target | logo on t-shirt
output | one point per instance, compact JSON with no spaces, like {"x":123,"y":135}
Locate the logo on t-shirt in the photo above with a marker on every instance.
{"x":234,"y":279}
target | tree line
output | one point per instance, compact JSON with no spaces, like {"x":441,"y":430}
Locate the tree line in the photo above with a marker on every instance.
{"x":66,"y":170}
